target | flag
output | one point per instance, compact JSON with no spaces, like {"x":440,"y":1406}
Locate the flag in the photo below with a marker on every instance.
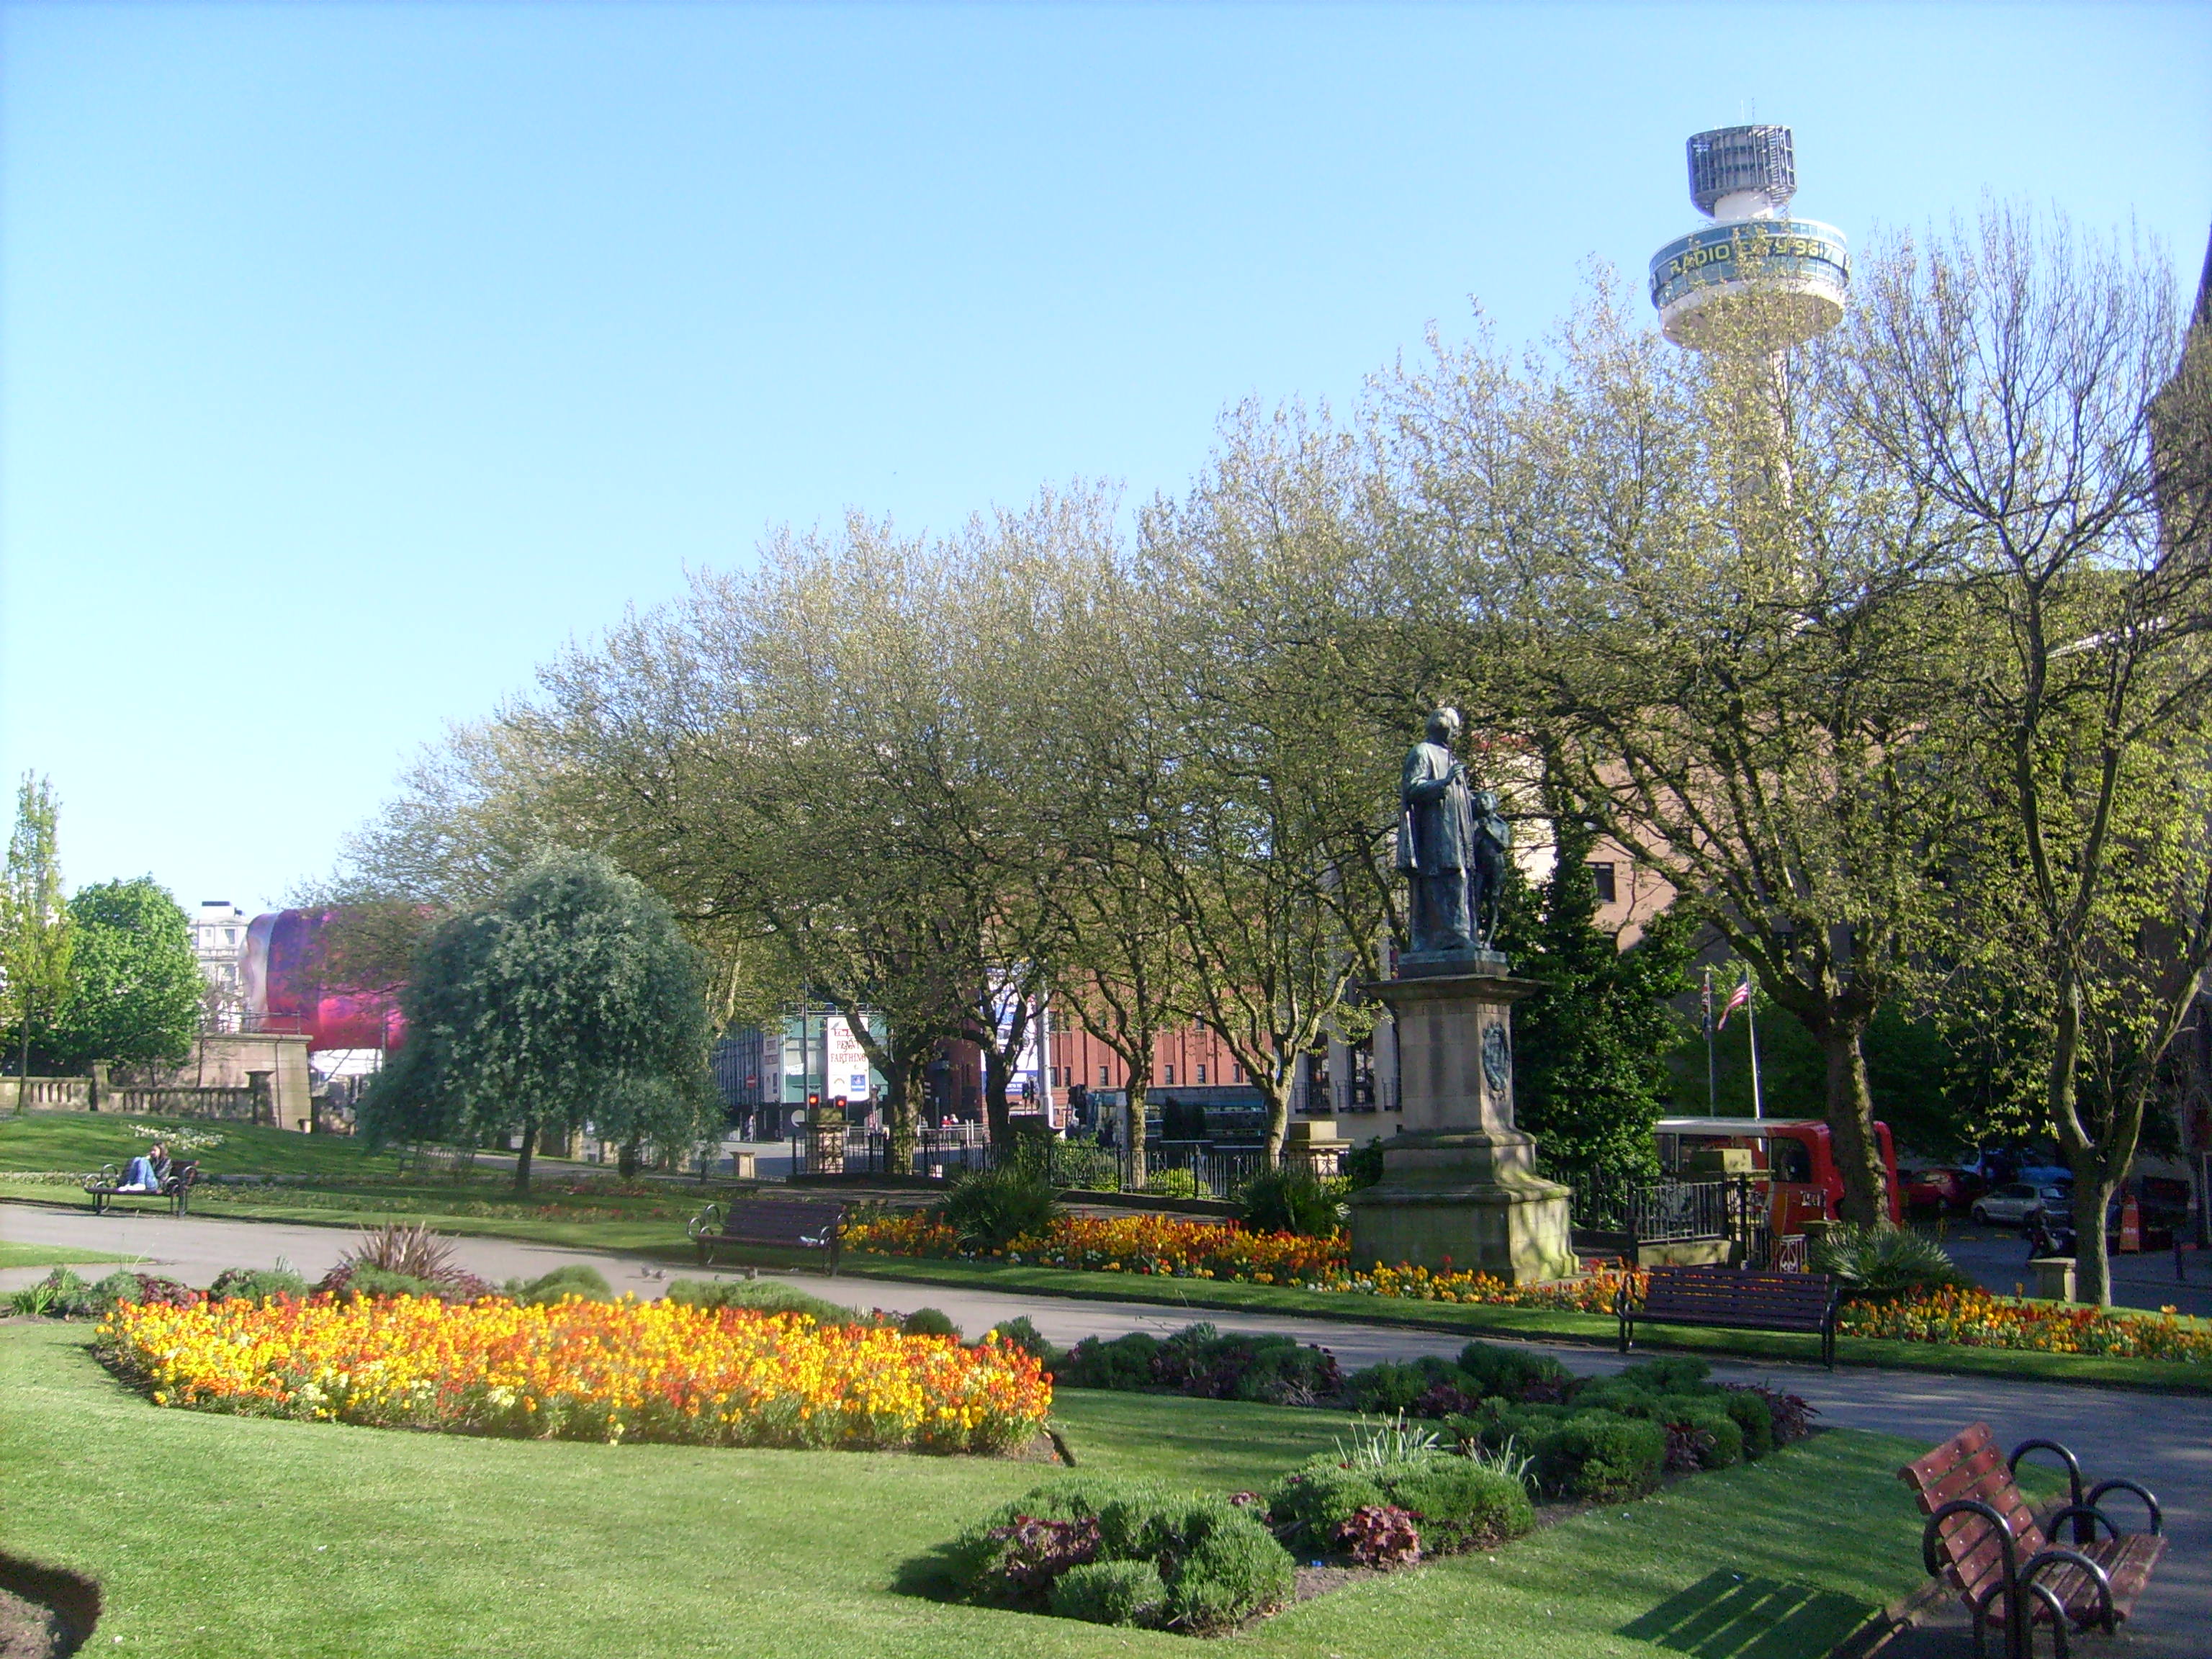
{"x":1739,"y":997}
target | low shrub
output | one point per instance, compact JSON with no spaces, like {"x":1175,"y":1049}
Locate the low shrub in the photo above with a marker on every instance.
{"x":1601,"y":1454}
{"x":1515,"y":1374}
{"x":770,"y":1296}
{"x":1789,"y":1416}
{"x":1276,"y":1370}
{"x":1379,"y":1536}
{"x":1394,"y":1385}
{"x":1021,"y":1334}
{"x":349,"y":1283}
{"x":1096,"y":1362}
{"x":1459,"y":1504}
{"x":1216,"y":1563}
{"x":1719,"y":1442}
{"x":256,"y":1284}
{"x":1201,"y":1360}
{"x":1880,"y":1264}
{"x":1669,"y":1374}
{"x":992,"y":1208}
{"x":929,"y":1322}
{"x":1292,"y":1199}
{"x":1111,"y":1593}
{"x":1085,"y":1165}
{"x":1443,"y":1400}
{"x":1312,"y":1501}
{"x":1173,"y":1183}
{"x":1497,"y":1422}
{"x":576,"y":1278}
{"x":1227,"y":1566}
{"x":1753,"y":1418}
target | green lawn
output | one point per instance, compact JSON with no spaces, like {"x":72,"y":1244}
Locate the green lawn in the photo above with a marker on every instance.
{"x":53,"y":1256}
{"x":228,"y":1536}
{"x":85,"y":1141}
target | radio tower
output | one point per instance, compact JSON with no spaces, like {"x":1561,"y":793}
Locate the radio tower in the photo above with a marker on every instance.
{"x":1756,"y":280}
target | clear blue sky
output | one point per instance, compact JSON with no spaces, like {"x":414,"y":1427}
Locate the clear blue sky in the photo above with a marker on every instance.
{"x":352,"y":359}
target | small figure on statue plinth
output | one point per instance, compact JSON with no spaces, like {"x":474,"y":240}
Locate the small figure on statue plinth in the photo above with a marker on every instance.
{"x":1453,"y":843}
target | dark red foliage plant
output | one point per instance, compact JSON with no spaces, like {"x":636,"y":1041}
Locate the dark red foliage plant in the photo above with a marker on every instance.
{"x":1379,"y":1536}
{"x":1036,"y":1550}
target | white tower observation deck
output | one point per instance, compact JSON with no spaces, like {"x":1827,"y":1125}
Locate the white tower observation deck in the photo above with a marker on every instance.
{"x":1755,"y":279}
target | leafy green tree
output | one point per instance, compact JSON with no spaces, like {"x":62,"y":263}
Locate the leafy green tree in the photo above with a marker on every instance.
{"x":1698,"y":592}
{"x":1589,"y":1070}
{"x":37,"y":938}
{"x":2025,"y":382}
{"x":134,"y":997}
{"x":573,"y":997}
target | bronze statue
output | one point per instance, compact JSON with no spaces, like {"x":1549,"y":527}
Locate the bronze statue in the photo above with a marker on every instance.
{"x":1436,"y":839}
{"x":1452,"y":845}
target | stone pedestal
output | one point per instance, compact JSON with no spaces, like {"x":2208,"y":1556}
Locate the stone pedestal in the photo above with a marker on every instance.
{"x":2054,"y":1278}
{"x":1460,"y":1190}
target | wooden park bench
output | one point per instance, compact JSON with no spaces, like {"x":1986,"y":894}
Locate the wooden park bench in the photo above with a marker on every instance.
{"x":176,"y":1190}
{"x":1985,"y":1540}
{"x":784,"y":1224}
{"x":1732,"y":1300}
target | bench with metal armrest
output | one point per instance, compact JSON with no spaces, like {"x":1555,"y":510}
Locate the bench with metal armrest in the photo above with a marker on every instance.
{"x":1984,"y":1539}
{"x":175,"y":1190}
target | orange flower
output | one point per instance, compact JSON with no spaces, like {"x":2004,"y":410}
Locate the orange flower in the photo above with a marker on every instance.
{"x":610,"y":1371}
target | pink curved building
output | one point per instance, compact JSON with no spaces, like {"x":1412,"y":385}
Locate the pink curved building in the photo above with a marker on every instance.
{"x":284,"y":989}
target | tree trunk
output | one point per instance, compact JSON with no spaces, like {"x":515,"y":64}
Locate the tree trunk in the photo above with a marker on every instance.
{"x":626,"y":1159}
{"x":996,"y":1111}
{"x":1133,"y":1126}
{"x":2093,"y":1187}
{"x":903,"y":1087}
{"x":1276,"y":1091}
{"x":1851,"y":1122}
{"x":522,"y":1158}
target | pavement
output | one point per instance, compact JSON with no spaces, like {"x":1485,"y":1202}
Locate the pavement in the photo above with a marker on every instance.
{"x":2165,"y":1441}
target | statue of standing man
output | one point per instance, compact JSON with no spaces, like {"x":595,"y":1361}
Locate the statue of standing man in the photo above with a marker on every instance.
{"x":1452,"y":845}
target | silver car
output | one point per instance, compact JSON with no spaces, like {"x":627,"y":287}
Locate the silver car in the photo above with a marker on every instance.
{"x":2012,"y":1204}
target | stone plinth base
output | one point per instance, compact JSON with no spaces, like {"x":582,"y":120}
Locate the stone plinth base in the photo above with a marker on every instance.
{"x":1468,"y":1201}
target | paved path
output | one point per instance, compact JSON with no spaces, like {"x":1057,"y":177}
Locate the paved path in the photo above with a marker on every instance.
{"x":2165,"y":1441}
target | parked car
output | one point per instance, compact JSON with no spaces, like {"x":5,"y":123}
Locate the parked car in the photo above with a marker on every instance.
{"x":1941,"y":1189}
{"x":2014,"y":1202}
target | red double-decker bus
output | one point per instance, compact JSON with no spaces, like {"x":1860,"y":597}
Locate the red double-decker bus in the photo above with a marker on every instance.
{"x":1793,"y":1161}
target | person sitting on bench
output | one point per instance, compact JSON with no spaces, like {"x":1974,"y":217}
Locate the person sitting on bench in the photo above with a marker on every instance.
{"x":146,"y":1174}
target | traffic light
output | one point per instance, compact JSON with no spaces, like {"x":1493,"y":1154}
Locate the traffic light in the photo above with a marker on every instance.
{"x":839,"y":1102}
{"x":813,"y":1101}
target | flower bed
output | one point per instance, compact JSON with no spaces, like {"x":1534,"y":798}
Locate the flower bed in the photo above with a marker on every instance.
{"x":1975,"y":1319}
{"x":1179,"y":1248}
{"x":583,"y":1371}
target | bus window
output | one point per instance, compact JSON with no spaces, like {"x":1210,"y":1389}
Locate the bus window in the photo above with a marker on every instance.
{"x":1790,"y":1160}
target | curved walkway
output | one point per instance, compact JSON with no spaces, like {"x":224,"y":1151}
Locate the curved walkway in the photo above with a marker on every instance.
{"x":2163,"y":1440}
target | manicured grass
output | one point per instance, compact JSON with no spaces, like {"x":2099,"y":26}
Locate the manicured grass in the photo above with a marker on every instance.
{"x":85,"y":1141}
{"x":229,"y":1536}
{"x":53,"y":1256}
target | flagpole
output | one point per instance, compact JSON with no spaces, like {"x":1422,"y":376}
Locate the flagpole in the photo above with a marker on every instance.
{"x":1712,"y":1054}
{"x":1751,"y":1025}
